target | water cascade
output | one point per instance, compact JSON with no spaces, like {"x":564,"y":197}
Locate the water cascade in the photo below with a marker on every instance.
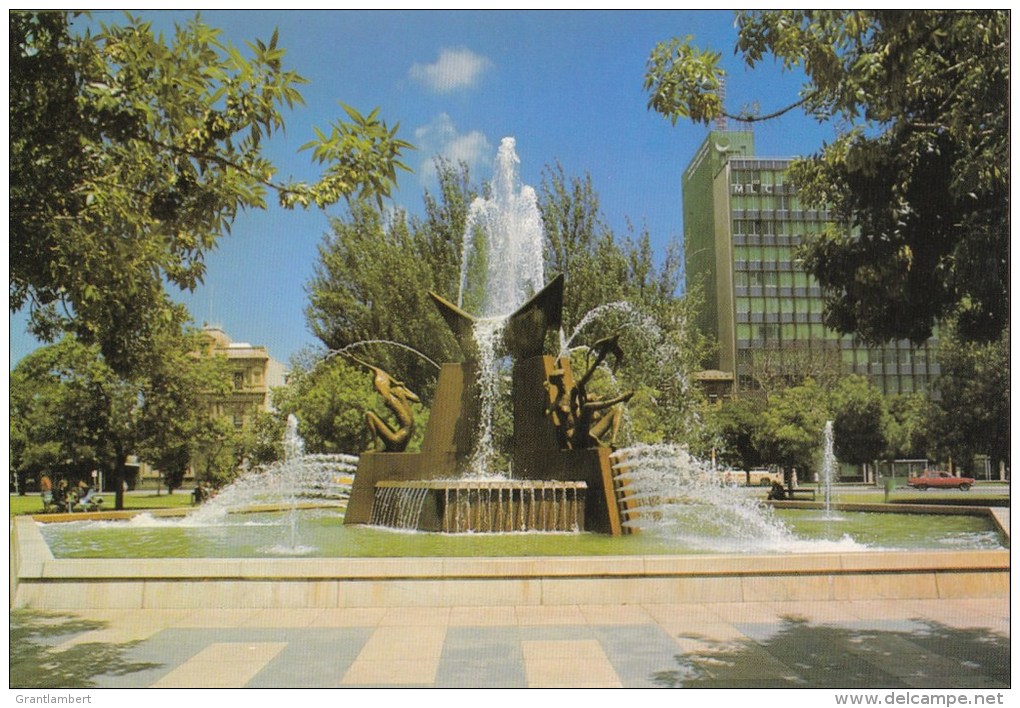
{"x":369,"y":342}
{"x":480,"y":505}
{"x":296,"y":480}
{"x":502,"y":266}
{"x":503,"y":243}
{"x":669,"y":492}
{"x":488,"y":333}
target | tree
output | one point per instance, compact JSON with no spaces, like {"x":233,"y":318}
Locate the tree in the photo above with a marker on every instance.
{"x":176,"y":412}
{"x":613,"y":285}
{"x":374,"y":272}
{"x":790,"y":433}
{"x":373,"y":276}
{"x":859,"y":421}
{"x":131,"y":155}
{"x":79,"y":414}
{"x":36,"y":408}
{"x":92,"y":413}
{"x":214,"y":450}
{"x":736,"y":422}
{"x":909,"y":426}
{"x":776,"y":366}
{"x":917,"y":180}
{"x":261,"y":439}
{"x":972,"y":409}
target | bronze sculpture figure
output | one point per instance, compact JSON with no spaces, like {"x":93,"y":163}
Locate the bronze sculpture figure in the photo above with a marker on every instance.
{"x":397,"y":398}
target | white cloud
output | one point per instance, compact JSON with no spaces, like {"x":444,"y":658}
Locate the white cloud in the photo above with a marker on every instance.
{"x":441,"y":138}
{"x":454,"y":69}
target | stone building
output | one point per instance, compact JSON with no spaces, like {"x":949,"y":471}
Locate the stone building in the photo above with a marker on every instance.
{"x":254,"y":374}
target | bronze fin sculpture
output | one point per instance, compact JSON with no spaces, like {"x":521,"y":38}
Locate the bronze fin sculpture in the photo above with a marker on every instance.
{"x":524,"y":335}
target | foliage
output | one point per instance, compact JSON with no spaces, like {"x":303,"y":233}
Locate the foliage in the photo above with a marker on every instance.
{"x":131,"y":155}
{"x":373,"y":276}
{"x":908,"y":427}
{"x":790,"y":433}
{"x":736,"y":423}
{"x":179,"y":415}
{"x":74,"y":413}
{"x":215,"y":452}
{"x":261,"y":439}
{"x":918,"y":178}
{"x":90,"y":415}
{"x":613,"y":286}
{"x":972,"y":412}
{"x":329,"y":399}
{"x":859,"y":414}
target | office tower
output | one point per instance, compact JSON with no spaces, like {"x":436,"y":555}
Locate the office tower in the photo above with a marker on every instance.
{"x":743,"y":223}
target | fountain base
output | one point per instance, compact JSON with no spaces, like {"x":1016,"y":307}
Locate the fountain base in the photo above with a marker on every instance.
{"x":481,"y":505}
{"x":538,"y":460}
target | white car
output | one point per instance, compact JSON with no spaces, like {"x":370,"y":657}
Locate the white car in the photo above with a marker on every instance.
{"x":752,"y":478}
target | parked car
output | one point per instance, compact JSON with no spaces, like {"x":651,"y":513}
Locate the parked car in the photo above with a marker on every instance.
{"x":752,"y":478}
{"x":940,"y":480}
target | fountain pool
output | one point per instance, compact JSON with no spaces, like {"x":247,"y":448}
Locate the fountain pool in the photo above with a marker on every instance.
{"x":321,"y":533}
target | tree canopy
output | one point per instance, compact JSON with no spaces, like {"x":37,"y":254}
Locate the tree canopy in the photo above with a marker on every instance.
{"x":71,"y":413}
{"x":918,"y":179}
{"x":972,"y":415}
{"x":131,"y":154}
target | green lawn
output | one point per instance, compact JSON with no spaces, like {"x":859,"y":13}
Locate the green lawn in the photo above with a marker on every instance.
{"x":32,"y":503}
{"x":905,"y":495}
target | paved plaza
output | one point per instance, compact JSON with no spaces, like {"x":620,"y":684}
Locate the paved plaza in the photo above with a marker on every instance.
{"x":945,"y":643}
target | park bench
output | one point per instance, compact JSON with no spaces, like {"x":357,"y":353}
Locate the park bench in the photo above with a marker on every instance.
{"x":805,"y":492}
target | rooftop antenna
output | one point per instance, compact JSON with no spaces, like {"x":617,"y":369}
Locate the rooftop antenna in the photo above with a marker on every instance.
{"x":720,"y":121}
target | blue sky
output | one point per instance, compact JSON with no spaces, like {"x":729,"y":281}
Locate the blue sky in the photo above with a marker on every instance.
{"x":566,"y":84}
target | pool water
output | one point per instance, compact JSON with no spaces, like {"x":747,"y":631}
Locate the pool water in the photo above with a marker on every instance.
{"x":321,"y":533}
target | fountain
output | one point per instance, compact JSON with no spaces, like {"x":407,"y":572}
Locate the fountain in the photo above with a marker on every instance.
{"x":553,"y":484}
{"x":562,"y":475}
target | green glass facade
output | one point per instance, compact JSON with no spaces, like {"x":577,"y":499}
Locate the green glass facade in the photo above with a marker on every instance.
{"x":742,"y":225}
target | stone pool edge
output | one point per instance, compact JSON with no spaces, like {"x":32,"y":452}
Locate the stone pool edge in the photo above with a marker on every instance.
{"x":40,"y":581}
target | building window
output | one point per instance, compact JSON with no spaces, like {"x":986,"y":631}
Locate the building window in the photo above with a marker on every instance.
{"x":238,"y":379}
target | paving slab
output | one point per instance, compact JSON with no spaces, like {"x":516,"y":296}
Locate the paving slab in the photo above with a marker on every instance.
{"x":816,"y":644}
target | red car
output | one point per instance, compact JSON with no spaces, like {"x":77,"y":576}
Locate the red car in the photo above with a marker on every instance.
{"x":940,"y":480}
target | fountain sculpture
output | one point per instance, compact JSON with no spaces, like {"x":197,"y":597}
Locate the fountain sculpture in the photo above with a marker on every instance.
{"x":560,"y":475}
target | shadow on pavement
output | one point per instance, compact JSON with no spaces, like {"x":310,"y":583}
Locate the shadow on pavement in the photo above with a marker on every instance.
{"x":798,"y":654}
{"x":38,"y":662}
